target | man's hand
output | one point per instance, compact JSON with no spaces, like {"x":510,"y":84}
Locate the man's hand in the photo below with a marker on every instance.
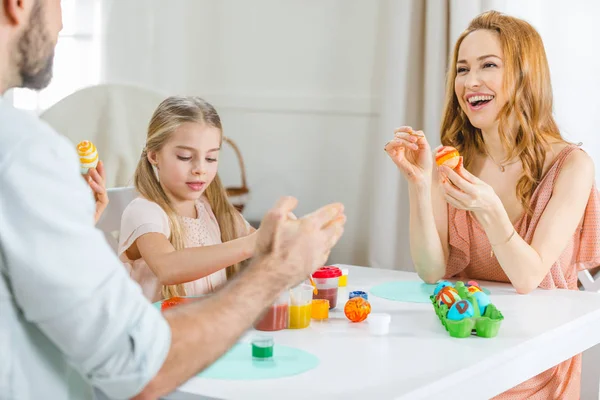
{"x":297,"y":247}
{"x":287,"y":251}
{"x":96,"y":178}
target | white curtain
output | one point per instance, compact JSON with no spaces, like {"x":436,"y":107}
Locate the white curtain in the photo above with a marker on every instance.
{"x":418,"y":41}
{"x":419,"y":37}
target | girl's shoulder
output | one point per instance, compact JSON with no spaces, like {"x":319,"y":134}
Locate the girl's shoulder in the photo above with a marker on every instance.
{"x":141,"y":210}
{"x":141,"y":203}
{"x":141,"y":216}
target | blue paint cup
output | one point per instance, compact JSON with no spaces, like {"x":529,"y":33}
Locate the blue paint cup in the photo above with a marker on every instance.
{"x":358,"y":293}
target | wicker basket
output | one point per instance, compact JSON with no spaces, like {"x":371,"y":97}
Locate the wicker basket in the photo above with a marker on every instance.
{"x":238,"y":195}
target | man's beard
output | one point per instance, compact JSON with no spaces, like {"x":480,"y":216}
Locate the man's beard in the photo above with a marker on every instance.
{"x":35,"y":52}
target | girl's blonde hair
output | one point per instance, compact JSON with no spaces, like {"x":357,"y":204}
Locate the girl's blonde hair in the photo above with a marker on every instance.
{"x":529,"y":93}
{"x":169,"y":115}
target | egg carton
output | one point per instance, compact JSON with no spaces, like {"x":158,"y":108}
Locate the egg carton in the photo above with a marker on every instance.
{"x":486,"y":325}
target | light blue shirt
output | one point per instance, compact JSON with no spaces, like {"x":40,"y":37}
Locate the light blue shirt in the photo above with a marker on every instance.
{"x":71,"y":320}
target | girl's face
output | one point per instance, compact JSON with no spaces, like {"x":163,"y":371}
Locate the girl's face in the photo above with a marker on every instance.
{"x":479,"y":79}
{"x":188,"y":162}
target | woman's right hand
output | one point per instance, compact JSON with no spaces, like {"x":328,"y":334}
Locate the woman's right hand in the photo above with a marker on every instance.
{"x":411,"y":154}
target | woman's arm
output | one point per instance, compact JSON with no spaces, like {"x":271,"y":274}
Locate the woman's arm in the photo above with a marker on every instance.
{"x":428,"y":230}
{"x":428,"y":224}
{"x":527,"y":265}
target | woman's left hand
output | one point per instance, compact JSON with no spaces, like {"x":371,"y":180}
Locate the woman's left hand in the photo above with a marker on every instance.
{"x":465,"y":191}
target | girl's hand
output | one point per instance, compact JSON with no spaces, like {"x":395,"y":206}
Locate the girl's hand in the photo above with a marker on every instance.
{"x":465,"y":191}
{"x":411,"y":153}
{"x":96,"y":178}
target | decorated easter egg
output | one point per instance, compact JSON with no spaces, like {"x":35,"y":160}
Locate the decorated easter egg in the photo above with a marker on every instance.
{"x":447,"y":296}
{"x":447,"y":155}
{"x":440,"y":286}
{"x":88,"y":155}
{"x":357,"y":309}
{"x":460,"y":310}
{"x":173,"y":301}
{"x":483,"y":300}
{"x":473,"y":289}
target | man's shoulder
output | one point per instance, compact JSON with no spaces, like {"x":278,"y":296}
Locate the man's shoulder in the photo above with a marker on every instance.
{"x":20,"y":129}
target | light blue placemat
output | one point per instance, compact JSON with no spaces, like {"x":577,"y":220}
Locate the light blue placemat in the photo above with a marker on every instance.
{"x":406,"y":291}
{"x":237,"y":364}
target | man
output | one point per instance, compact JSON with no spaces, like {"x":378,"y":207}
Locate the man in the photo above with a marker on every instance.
{"x":71,"y":320}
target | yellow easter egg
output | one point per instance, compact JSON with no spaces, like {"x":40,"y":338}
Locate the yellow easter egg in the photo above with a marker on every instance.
{"x":88,"y":155}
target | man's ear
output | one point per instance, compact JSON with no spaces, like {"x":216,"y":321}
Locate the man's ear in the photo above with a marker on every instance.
{"x":17,"y":11}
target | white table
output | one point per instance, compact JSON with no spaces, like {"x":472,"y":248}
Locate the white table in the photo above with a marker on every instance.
{"x":418,"y":359}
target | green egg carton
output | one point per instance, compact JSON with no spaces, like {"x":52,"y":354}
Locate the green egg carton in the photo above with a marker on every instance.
{"x":486,"y":325}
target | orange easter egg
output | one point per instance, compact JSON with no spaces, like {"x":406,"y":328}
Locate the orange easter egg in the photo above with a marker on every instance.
{"x":448,"y":156}
{"x":357,"y":309}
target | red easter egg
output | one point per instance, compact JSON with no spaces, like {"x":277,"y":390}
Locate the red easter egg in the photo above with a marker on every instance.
{"x":172,"y":302}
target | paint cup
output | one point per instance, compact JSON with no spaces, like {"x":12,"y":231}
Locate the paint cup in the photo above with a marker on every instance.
{"x":379,"y":323}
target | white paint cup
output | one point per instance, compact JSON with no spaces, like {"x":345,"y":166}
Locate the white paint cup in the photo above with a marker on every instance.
{"x":379,"y":323}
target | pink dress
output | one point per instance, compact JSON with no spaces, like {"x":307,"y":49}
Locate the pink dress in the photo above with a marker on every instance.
{"x":470,"y":258}
{"x":142,"y":216}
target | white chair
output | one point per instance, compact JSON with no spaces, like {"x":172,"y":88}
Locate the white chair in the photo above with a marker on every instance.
{"x":115,"y":118}
{"x":589,"y":282}
{"x":110,"y":221}
{"x":590,"y":368}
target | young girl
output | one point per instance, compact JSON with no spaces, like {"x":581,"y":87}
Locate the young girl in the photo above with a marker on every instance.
{"x":181,"y":234}
{"x":523,"y":208}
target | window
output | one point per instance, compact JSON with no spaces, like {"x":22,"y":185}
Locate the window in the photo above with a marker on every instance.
{"x":77,"y":57}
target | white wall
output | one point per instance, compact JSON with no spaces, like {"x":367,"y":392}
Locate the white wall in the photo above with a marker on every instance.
{"x":295,"y":82}
{"x":292,"y":80}
{"x":569,"y":31}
